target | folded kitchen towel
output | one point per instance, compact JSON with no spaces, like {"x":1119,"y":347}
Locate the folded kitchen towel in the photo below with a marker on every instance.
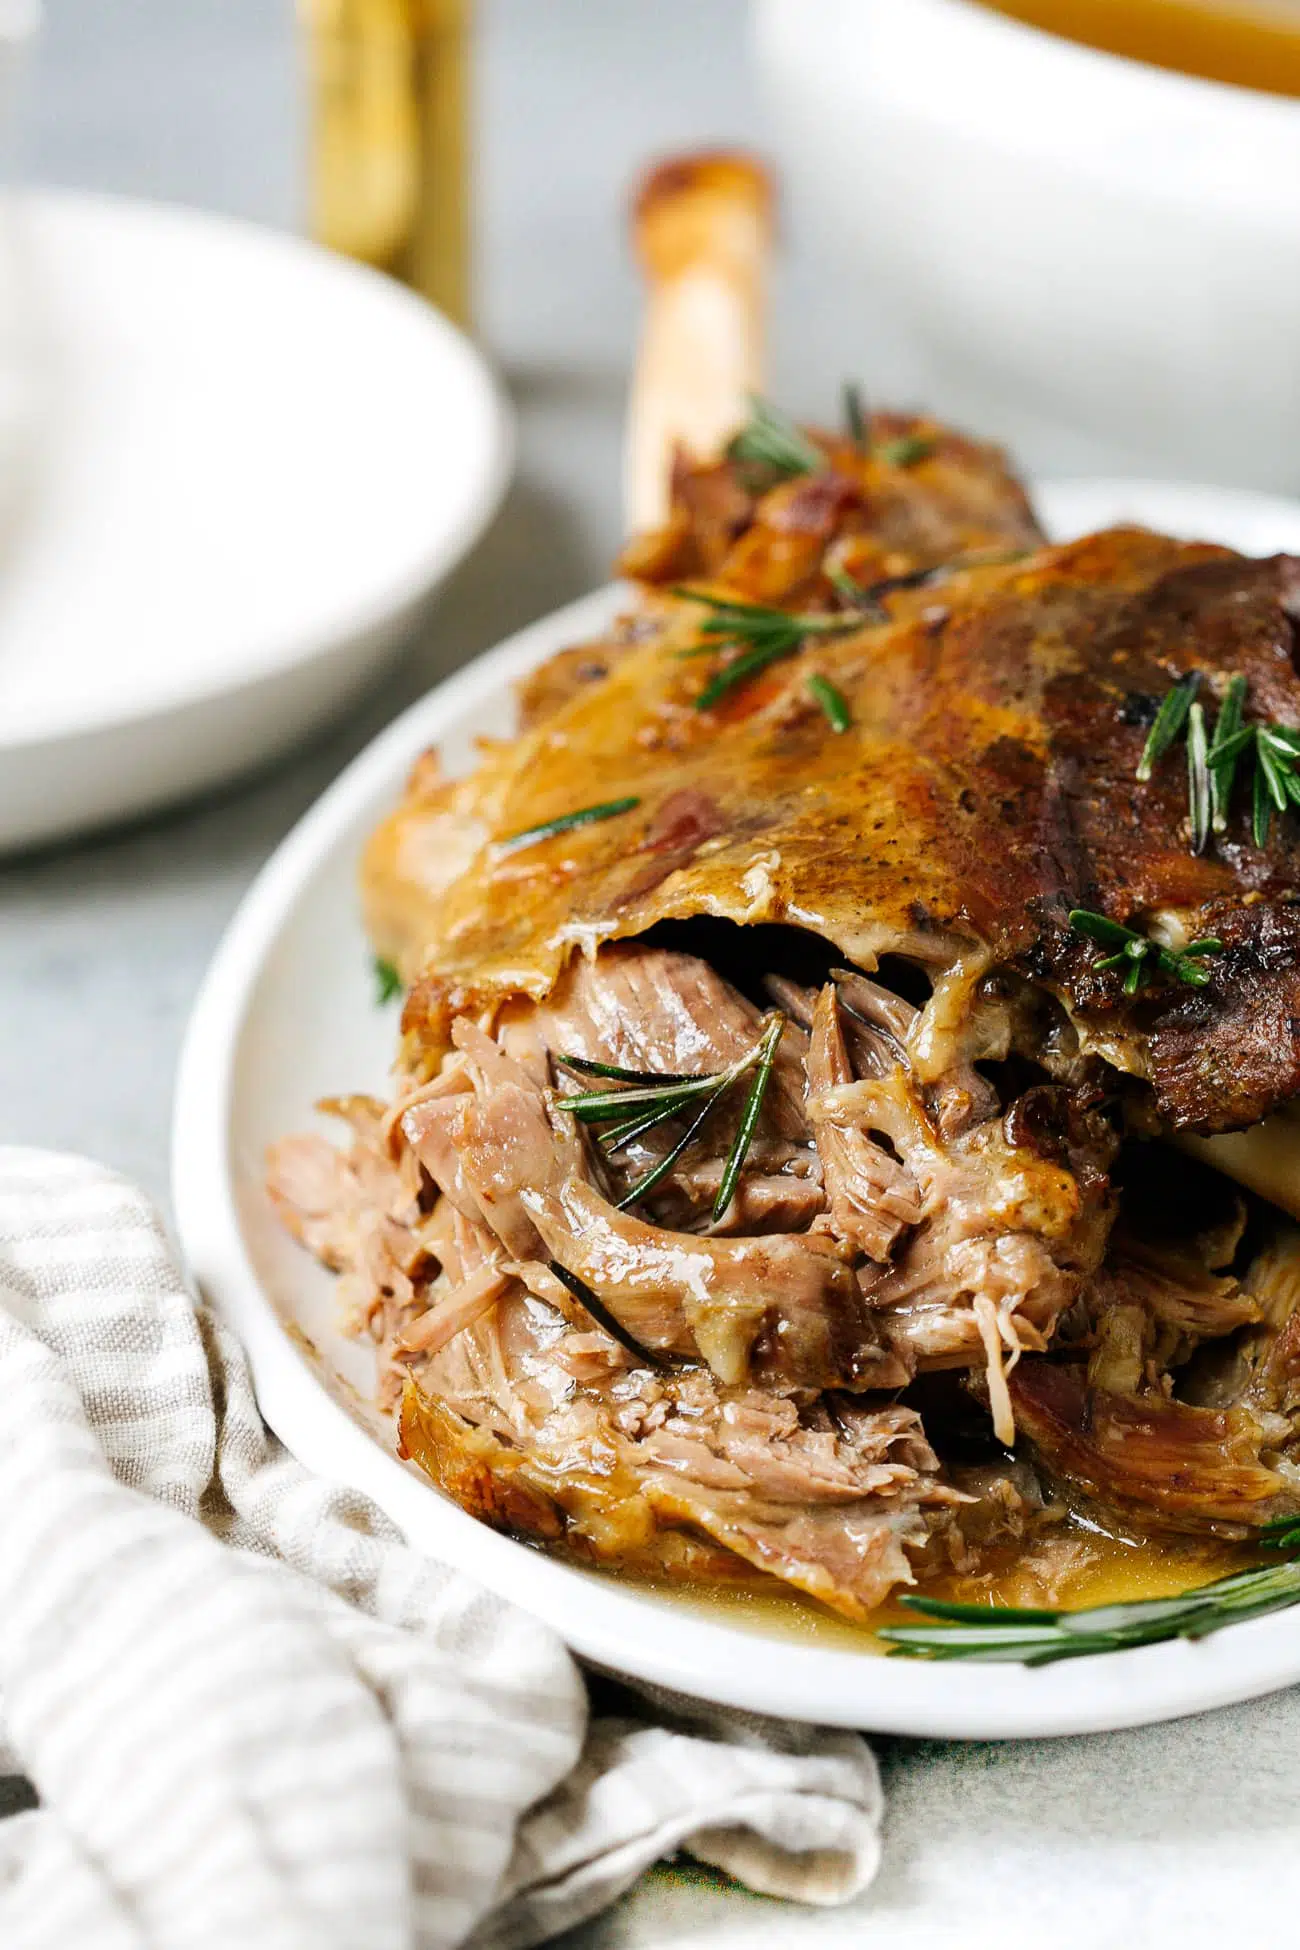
{"x":252,"y":1716}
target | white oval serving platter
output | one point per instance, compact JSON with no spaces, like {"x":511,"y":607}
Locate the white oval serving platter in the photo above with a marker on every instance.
{"x":232,"y":468}
{"x":288,"y":1014}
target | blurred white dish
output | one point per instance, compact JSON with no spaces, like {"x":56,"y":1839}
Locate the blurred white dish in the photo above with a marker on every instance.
{"x":1075,"y":241}
{"x":288,"y":1015}
{"x":248,"y":462}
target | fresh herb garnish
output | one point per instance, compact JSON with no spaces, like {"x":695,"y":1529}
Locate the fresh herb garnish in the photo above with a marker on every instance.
{"x":652,"y":1100}
{"x":771,"y":441}
{"x":833,"y":702}
{"x":585,"y":1067}
{"x":600,"y":1313}
{"x":1226,"y":747}
{"x":766,"y":1055}
{"x":1198,"y":778}
{"x":566,"y":823}
{"x":1277,"y":779}
{"x":762,"y":634}
{"x":1139,"y":956}
{"x":993,"y":1634}
{"x":1168,"y":722}
{"x":388,"y":980}
{"x":907,"y":451}
{"x":1212,"y":761}
{"x":856,"y":417}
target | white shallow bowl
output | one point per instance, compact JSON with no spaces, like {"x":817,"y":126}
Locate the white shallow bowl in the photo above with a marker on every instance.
{"x":232,"y":468}
{"x":287,"y":1015}
{"x":1077,"y":242}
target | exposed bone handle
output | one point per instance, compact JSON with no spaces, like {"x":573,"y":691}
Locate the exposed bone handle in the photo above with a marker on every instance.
{"x":701,"y":225}
{"x":1265,"y":1159}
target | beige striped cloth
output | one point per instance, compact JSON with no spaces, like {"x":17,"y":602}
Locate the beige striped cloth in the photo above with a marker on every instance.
{"x":252,"y":1717}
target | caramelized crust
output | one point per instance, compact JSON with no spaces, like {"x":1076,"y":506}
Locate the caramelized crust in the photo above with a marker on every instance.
{"x":986,"y":786}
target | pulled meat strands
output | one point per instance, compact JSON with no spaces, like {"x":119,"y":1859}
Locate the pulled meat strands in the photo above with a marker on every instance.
{"x":1159,"y":1460}
{"x":1001,"y":1237}
{"x":1221,"y":1456}
{"x":783,"y":1306}
{"x":673,"y":1475}
{"x":873,"y":1198}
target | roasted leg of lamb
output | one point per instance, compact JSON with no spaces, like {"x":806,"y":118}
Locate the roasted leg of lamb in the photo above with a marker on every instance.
{"x":805,"y":1011}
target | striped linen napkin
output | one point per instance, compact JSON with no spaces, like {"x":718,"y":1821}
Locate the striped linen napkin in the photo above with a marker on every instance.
{"x":252,"y":1716}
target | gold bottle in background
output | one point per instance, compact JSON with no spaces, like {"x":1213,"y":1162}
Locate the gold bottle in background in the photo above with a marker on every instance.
{"x":389,"y":162}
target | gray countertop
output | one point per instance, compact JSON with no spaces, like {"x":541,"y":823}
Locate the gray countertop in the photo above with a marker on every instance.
{"x":1164,"y":1835}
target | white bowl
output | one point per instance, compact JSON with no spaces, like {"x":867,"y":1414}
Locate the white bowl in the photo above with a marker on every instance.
{"x":1076,"y":242}
{"x":287,"y":1015}
{"x":234,"y":469}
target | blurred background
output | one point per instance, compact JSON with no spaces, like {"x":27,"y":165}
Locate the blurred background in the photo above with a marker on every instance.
{"x":1076,"y":248}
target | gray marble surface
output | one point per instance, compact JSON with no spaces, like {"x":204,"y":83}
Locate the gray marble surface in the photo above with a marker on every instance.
{"x":1160,"y":1836}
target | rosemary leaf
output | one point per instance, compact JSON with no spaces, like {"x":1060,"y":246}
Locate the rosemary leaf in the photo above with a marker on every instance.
{"x":1226,"y":747}
{"x":763,"y":635}
{"x":1261,"y":810}
{"x":587,"y":1068}
{"x":1169,"y":721}
{"x":739,"y":671}
{"x":1198,"y":778}
{"x":616,"y":1136}
{"x":388,"y":980}
{"x":600,"y":1313}
{"x":766,"y":1054}
{"x":907,"y":451}
{"x":566,"y":823}
{"x":832,"y":700}
{"x":856,"y":418}
{"x":657,"y":1173}
{"x":1138,"y":955}
{"x":599,"y":1106}
{"x":989,"y":1634}
{"x":774,"y":443}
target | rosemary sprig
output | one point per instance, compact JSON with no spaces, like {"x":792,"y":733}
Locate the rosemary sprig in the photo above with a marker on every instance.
{"x":771,"y":441}
{"x":657,"y":1173}
{"x":766,"y":1053}
{"x":609,"y":1106}
{"x":1212,"y":762}
{"x":1226,"y":747}
{"x":856,"y":417}
{"x":1139,"y":956}
{"x":566,"y":823}
{"x":650,"y":1101}
{"x":763,"y":635}
{"x":388,"y":980}
{"x":906,"y":451}
{"x":585,"y":1067}
{"x":600,"y":1313}
{"x":1168,"y":722}
{"x":1277,"y":751}
{"x":832,"y":700}
{"x":994,"y":1634}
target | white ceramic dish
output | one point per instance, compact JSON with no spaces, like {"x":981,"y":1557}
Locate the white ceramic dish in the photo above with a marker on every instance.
{"x":1078,"y":243}
{"x":288,"y":1014}
{"x":242,"y":464}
